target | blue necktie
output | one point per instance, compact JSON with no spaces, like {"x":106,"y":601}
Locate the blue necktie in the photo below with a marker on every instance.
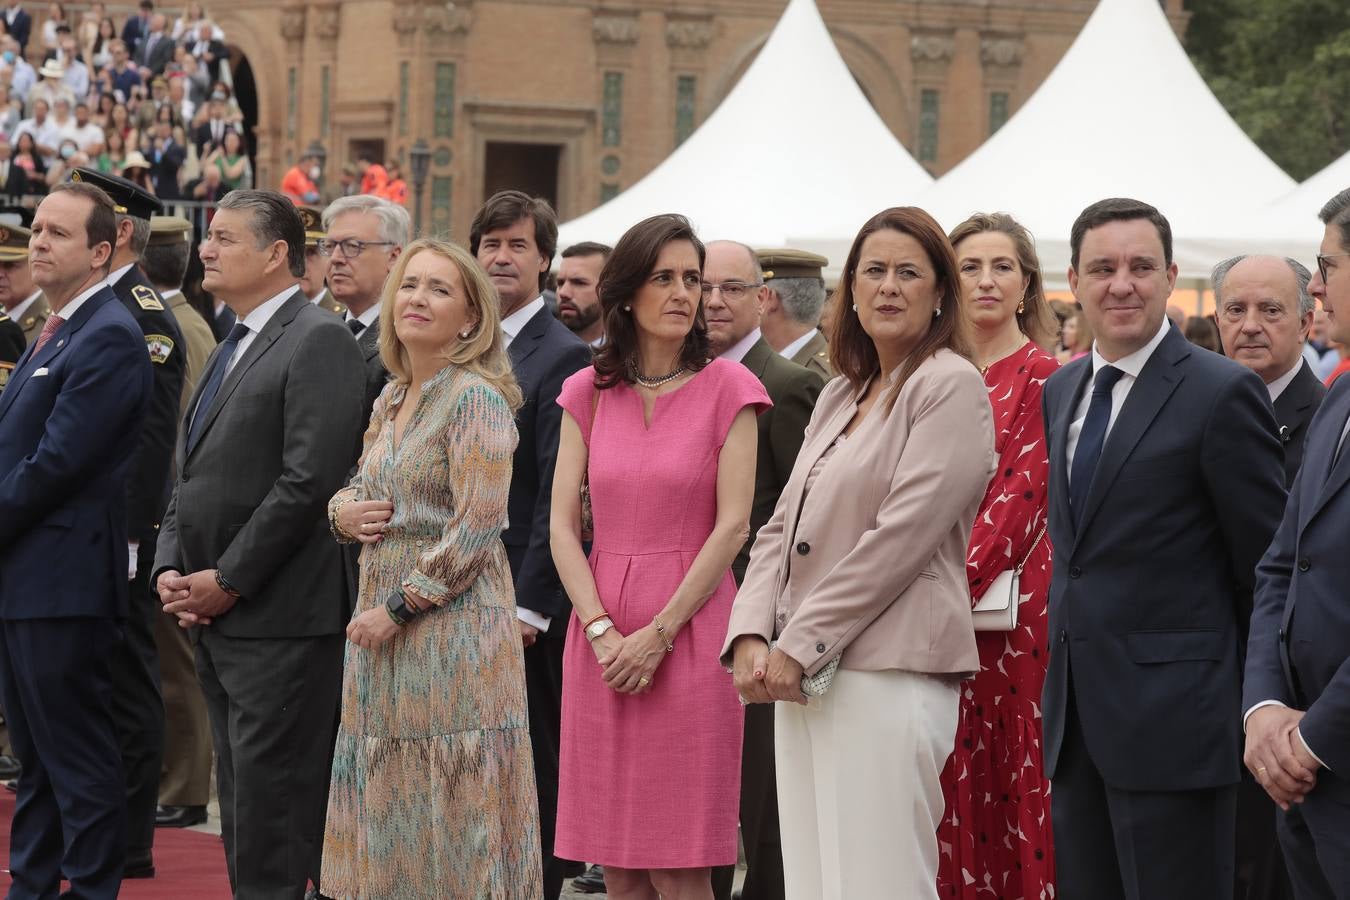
{"x":213,"y":380}
{"x":1091,"y":439}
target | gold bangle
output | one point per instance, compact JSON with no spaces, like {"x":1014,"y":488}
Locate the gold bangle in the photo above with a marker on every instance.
{"x":661,"y":630}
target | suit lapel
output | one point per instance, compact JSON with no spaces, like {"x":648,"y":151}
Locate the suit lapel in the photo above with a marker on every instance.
{"x":756,"y":359}
{"x":1320,"y":459}
{"x":370,"y":341}
{"x":1059,"y":437}
{"x":1149,"y":392}
{"x":30,"y":362}
{"x":525,"y":343}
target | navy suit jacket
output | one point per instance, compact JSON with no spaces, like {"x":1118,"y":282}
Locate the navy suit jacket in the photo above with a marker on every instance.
{"x":542,"y":356}
{"x":1294,"y":409}
{"x":21,"y":28}
{"x":1300,"y":629}
{"x":1151,"y":595}
{"x":70,"y":420}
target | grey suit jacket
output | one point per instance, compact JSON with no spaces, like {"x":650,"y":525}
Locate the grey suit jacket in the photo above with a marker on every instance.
{"x":251,"y":495}
{"x":375,"y":374}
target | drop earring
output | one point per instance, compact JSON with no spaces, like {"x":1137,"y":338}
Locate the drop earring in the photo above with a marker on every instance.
{"x":1021,"y":307}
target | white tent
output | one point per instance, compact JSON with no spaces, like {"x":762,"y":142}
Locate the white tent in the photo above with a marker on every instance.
{"x":1123,"y":114}
{"x":734,"y":178}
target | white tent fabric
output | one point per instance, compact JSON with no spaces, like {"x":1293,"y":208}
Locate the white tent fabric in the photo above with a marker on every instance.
{"x":1123,"y":114}
{"x":735,"y":179}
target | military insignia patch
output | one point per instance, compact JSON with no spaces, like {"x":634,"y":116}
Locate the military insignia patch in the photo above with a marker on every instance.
{"x":309,"y":217}
{"x":160,"y":346}
{"x":146,"y":298}
{"x":5,"y":369}
{"x":28,"y":322}
{"x":76,"y":176}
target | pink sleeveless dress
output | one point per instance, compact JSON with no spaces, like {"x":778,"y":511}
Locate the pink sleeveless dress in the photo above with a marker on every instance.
{"x":652,"y":781}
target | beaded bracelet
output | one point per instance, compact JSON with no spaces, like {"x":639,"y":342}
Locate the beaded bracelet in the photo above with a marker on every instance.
{"x":341,"y":536}
{"x":661,"y":630}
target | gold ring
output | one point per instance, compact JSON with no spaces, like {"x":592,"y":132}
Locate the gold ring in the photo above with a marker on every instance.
{"x":644,"y":681}
{"x":1260,"y":769}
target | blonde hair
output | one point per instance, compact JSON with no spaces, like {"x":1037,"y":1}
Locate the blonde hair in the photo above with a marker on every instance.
{"x":483,"y":352}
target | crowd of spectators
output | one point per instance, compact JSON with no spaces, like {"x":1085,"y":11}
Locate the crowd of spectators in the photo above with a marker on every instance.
{"x":148,"y":98}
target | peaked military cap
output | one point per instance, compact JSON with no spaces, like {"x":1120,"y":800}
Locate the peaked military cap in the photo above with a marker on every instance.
{"x":788,"y":263}
{"x":13,"y":243}
{"x":170,"y":230}
{"x":130,"y":198}
{"x":313,"y":220}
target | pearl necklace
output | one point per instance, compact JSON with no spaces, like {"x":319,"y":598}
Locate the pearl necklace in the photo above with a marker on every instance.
{"x":658,"y":380}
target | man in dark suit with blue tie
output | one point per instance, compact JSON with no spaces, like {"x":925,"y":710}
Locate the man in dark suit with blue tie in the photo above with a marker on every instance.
{"x":514,"y":236}
{"x":1166,"y":484}
{"x":1296,"y":696}
{"x":69,"y":425}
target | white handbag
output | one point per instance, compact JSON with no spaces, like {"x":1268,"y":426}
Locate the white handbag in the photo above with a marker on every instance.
{"x":997,"y":609}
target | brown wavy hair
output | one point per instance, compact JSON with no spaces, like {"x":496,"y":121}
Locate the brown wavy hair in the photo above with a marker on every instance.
{"x":625,"y":272}
{"x":852,"y":351}
{"x":1036,"y":320}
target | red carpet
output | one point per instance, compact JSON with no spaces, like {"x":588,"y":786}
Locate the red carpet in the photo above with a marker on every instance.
{"x":188,"y":864}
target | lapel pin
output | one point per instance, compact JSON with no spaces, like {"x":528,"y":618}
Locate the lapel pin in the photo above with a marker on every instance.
{"x":61,"y":343}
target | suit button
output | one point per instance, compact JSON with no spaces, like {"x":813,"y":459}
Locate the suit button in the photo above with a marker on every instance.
{"x":1074,"y":571}
{"x":186,"y":477}
{"x":1063,"y":637}
{"x":820,"y":648}
{"x":803,"y":548}
{"x":1304,"y":565}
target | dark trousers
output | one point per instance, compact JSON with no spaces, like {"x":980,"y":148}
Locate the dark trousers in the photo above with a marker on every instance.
{"x":70,"y":817}
{"x":1260,"y":864}
{"x":138,"y":707}
{"x":543,"y":692}
{"x":273,"y":709}
{"x":1315,"y":837}
{"x":1113,"y":844}
{"x":759,"y":814}
{"x":185,"y":775}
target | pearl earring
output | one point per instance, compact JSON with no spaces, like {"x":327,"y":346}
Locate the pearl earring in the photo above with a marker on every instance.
{"x":464,"y":335}
{"x":627,"y":308}
{"x":855,"y":307}
{"x":937,"y":312}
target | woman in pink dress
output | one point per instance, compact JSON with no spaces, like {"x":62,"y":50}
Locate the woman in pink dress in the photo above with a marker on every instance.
{"x":665,"y":442}
{"x":995,"y":837}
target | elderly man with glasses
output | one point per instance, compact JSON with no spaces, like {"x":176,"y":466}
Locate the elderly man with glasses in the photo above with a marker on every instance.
{"x":733,"y":297}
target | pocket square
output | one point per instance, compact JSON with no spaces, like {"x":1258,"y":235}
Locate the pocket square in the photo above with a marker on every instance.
{"x":39,"y":373}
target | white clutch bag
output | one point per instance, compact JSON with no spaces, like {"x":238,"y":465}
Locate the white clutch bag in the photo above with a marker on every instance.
{"x":997,"y":609}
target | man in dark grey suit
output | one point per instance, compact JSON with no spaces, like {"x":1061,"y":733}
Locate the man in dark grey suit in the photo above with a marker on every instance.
{"x":245,"y":555}
{"x":1166,"y":483}
{"x":514,"y":236}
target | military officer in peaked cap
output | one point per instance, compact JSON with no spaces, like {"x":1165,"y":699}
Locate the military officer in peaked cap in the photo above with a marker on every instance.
{"x":20,"y":299}
{"x":316,"y":264}
{"x":791,"y":314}
{"x":138,"y":708}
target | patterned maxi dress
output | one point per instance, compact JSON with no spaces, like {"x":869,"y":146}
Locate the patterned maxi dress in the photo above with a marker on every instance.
{"x":652,"y":781}
{"x":433,"y":789}
{"x":995,"y":838}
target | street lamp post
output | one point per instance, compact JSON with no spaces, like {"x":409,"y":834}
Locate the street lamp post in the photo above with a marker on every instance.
{"x":420,"y":156}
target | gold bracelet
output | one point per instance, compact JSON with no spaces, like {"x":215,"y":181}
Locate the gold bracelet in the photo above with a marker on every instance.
{"x":661,"y":630}
{"x":342,"y":536}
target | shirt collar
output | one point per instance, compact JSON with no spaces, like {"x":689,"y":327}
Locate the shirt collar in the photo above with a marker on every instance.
{"x":262,"y":314}
{"x":68,"y":311}
{"x":1277,"y":386}
{"x":796,"y":346}
{"x":736,"y":352}
{"x":166,"y":296}
{"x":1134,"y":363}
{"x":514,"y":323}
{"x":116,"y":274}
{"x":17,"y":312}
{"x":366,"y":318}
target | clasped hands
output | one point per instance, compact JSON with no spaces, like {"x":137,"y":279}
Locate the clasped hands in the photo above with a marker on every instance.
{"x":627,"y":660}
{"x":365,"y":520}
{"x":1276,"y":756}
{"x":195,"y":599}
{"x":765,"y":676}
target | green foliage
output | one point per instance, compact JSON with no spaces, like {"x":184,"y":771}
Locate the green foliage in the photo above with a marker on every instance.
{"x":1282,"y":70}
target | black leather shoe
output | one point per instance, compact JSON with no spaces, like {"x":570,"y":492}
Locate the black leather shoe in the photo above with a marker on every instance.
{"x":179,"y":816}
{"x":592,"y":881}
{"x":139,"y":865}
{"x":9,"y":767}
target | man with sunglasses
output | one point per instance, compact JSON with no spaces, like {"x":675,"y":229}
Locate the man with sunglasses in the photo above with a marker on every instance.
{"x":1296,"y":695}
{"x":733,"y":297}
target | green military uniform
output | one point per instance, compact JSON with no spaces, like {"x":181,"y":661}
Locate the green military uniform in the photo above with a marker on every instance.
{"x":12,"y":345}
{"x":788,"y":263}
{"x":34,"y":317}
{"x":313,"y":234}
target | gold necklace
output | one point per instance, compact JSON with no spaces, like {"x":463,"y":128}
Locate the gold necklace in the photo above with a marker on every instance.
{"x":984,"y":369}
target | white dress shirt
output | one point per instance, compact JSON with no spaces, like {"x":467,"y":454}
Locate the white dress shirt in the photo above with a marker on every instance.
{"x":366,"y":318}
{"x":255,"y":322}
{"x":1277,"y":386}
{"x":511,"y":326}
{"x":796,"y":346}
{"x":17,"y":312}
{"x":68,"y":311}
{"x":1131,"y":365}
{"x":736,"y":352}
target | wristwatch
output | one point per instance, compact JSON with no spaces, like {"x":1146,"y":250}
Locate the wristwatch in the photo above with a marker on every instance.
{"x":398,"y":608}
{"x":597,"y":628}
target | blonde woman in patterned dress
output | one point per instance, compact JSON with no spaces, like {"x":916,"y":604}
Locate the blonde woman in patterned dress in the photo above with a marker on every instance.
{"x":432,"y":790}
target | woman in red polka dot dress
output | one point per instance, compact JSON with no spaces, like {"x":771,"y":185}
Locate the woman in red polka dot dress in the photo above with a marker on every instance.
{"x":995,"y":837}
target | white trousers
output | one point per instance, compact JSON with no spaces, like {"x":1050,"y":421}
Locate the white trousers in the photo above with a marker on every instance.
{"x":859,"y":797}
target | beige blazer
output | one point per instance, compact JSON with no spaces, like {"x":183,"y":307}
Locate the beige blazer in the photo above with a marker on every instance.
{"x":872,"y":564}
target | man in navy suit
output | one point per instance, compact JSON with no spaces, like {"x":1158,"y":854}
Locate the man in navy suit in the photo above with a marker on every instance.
{"x":69,"y":423}
{"x":1297,"y":692}
{"x":514,"y":236}
{"x":1166,"y":484}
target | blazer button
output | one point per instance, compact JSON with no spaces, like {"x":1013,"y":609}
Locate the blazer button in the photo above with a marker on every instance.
{"x":1304,"y":565}
{"x":803,"y":548}
{"x":820,"y":648}
{"x":185,"y":477}
{"x":1063,"y":636}
{"x":1074,"y":571}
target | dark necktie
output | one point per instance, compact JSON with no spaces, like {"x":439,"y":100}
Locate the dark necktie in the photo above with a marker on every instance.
{"x":213,"y":380}
{"x":1091,"y":439}
{"x":356,"y":327}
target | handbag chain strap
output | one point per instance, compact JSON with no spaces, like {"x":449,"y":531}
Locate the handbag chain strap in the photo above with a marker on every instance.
{"x":1040,"y":534}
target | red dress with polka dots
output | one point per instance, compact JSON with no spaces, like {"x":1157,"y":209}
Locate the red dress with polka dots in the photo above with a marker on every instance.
{"x":995,"y":837}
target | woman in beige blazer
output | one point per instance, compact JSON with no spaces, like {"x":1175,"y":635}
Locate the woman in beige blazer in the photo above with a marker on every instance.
{"x":864,"y":561}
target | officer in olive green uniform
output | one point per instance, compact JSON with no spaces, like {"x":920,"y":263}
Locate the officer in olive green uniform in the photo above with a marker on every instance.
{"x":316,"y":264}
{"x":20,"y":299}
{"x":185,"y":777}
{"x":791,"y":329}
{"x":138,"y":708}
{"x":12,"y":345}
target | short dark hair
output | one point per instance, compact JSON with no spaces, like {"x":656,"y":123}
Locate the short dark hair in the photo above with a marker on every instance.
{"x":166,"y":263}
{"x":626,"y":271}
{"x":101,"y":225}
{"x":504,"y":209}
{"x":1336,"y":212}
{"x":587,"y":248}
{"x":1118,"y":209}
{"x":147,"y":4}
{"x":274,"y":219}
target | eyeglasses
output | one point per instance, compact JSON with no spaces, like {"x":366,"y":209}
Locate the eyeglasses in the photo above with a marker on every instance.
{"x":1322,"y":262}
{"x":731,"y":290}
{"x":351,"y":247}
